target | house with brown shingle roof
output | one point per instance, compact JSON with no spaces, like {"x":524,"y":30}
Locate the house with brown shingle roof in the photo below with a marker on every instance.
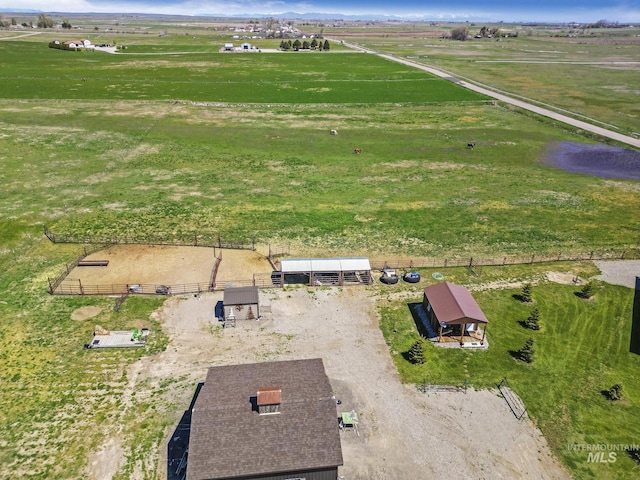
{"x":454,"y":314}
{"x":265,"y":421}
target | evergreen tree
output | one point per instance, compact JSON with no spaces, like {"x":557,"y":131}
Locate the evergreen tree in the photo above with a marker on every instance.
{"x":525,"y":296}
{"x":587,"y":291}
{"x":326,"y":45}
{"x":532,"y":321}
{"x":416,"y":352}
{"x":526,"y":352}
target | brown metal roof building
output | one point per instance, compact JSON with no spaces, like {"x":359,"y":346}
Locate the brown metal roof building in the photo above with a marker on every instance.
{"x":273,"y":420}
{"x":448,"y":305}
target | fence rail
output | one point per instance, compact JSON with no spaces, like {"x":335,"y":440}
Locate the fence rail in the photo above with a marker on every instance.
{"x":192,"y":240}
{"x":513,"y":400}
{"x":408,"y":263}
{"x":75,"y":287}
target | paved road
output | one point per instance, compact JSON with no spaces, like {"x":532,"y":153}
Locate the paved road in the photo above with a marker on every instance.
{"x":635,"y":142}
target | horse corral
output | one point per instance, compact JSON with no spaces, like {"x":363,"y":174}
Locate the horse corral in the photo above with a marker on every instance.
{"x":161,"y":269}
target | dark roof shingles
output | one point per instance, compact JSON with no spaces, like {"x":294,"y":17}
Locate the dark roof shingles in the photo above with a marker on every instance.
{"x":229,"y":438}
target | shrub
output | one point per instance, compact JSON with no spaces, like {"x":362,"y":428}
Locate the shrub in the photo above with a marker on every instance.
{"x":615,"y":392}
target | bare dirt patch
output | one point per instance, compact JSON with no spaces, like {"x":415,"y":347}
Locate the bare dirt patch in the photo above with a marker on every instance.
{"x":147,"y":264}
{"x":563,"y":278}
{"x":239,"y":266}
{"x":402,"y":434}
{"x":85,"y":313}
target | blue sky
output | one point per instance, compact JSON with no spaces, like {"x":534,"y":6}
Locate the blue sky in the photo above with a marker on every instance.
{"x":622,"y":11}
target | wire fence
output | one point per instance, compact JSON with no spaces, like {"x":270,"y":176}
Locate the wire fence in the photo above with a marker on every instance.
{"x":76,"y":287}
{"x":191,"y":240}
{"x":409,"y":263}
{"x":60,"y":285}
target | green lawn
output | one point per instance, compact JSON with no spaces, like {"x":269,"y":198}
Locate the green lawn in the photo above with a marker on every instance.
{"x":581,"y":349}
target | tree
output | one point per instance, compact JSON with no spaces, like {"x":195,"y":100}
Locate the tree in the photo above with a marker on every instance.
{"x":460,"y":33}
{"x":532,"y":320}
{"x":44,"y":21}
{"x":296,"y":45}
{"x":587,"y":291}
{"x":525,"y":295}
{"x":314,"y":44}
{"x":66,"y":24}
{"x":305,"y":45}
{"x":416,"y":352}
{"x":13,"y":21}
{"x":526,"y":352}
{"x":326,"y":45}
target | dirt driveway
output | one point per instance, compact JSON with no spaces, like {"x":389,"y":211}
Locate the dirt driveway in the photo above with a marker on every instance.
{"x":402,"y":433}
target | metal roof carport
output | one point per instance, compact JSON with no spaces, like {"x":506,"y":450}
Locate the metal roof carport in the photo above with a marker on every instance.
{"x":335,"y":271}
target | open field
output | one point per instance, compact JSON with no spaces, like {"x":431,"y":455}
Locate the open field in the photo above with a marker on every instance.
{"x":239,"y":145}
{"x":591,"y":74}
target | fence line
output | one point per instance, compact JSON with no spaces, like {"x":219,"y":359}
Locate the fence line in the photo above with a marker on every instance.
{"x":408,"y":263}
{"x":55,"y":282}
{"x":194,"y":240}
{"x":513,"y":400}
{"x":77,"y":288}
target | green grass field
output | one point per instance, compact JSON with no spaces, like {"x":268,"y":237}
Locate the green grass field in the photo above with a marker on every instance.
{"x":591,"y":74}
{"x":582,"y":348}
{"x":239,"y":145}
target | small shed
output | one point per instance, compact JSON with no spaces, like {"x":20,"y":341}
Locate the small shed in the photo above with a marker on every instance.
{"x":453,"y":312}
{"x":326,"y":271}
{"x":241,"y":303}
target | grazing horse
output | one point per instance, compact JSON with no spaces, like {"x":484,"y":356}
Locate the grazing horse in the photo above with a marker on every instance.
{"x":471,"y":145}
{"x":334,"y":132}
{"x":357,"y":150}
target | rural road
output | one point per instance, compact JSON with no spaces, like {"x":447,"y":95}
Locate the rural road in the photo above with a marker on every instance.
{"x":505,"y":98}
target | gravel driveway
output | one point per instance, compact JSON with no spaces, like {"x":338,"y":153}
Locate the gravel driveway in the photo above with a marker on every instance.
{"x":402,"y":434}
{"x":619,"y":272}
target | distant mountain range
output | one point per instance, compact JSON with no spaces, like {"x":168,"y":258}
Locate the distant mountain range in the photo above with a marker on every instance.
{"x":286,"y":15}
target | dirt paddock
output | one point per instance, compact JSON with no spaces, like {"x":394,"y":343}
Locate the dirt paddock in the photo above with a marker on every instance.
{"x":166,"y":265}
